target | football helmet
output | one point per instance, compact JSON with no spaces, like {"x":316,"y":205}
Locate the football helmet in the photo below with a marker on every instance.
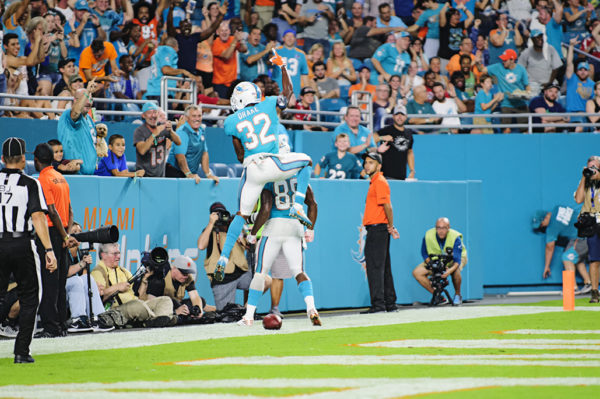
{"x":245,"y":93}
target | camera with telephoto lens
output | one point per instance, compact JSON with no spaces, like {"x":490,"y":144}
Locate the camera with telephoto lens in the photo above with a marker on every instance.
{"x":224,"y":218}
{"x":586,"y":225}
{"x":438,"y":264}
{"x":156,"y":261}
{"x":195,"y":311}
{"x":589,"y":172}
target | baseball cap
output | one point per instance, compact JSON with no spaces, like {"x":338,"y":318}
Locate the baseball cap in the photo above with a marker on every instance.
{"x":360,"y":68}
{"x":149,"y":106}
{"x":306,"y":90}
{"x":185,"y":264}
{"x":65,"y":61}
{"x":82,"y":5}
{"x":508,"y":54}
{"x":583,"y":65}
{"x":398,"y":35}
{"x":400,"y":109}
{"x":551,"y":85}
{"x":538,"y":216}
{"x":13,"y":146}
{"x":536,"y":33}
{"x":75,"y":78}
{"x":373,"y":155}
{"x":285,"y":32}
{"x":217,"y":206}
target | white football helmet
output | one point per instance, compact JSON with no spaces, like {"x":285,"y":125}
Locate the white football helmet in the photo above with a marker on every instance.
{"x":284,"y":146}
{"x":243,"y":94}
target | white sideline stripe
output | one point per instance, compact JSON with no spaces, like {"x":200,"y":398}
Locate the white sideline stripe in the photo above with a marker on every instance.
{"x":568,"y":360}
{"x":587,"y":344}
{"x":351,"y":388}
{"x":549,"y":332}
{"x":149,"y":337}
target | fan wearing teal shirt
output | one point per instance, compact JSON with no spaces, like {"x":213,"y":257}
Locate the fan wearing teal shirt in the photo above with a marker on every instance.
{"x":391,"y":58}
{"x":296,"y":62}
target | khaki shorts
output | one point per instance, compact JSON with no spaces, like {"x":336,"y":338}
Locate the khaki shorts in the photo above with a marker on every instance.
{"x":483,"y":121}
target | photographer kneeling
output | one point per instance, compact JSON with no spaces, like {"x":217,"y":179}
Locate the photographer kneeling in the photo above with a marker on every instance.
{"x":588,"y":192}
{"x":114,"y":283}
{"x":435,"y":241}
{"x":212,"y":239}
{"x":178,"y":280}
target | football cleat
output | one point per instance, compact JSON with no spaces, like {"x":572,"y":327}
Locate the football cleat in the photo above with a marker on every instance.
{"x":219,"y":273}
{"x":297,"y":212}
{"x":245,"y":322}
{"x":314,"y":318}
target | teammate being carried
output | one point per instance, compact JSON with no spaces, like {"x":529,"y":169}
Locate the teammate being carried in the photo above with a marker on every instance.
{"x":253,"y":128}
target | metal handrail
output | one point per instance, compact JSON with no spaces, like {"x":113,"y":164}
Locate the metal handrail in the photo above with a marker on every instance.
{"x":368,"y":114}
{"x":165,"y":90}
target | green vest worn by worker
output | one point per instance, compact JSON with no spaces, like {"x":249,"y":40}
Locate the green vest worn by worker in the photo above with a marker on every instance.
{"x":433,"y":247}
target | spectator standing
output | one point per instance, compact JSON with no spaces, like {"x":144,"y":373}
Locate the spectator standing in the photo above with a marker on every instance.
{"x":546,"y":104}
{"x":549,"y":22}
{"x":325,"y":86}
{"x":452,"y":30}
{"x":503,"y":38}
{"x":339,"y":164}
{"x":296,"y":61}
{"x":53,"y":306}
{"x":580,"y":87}
{"x":447,"y":106}
{"x":17,"y":65}
{"x":17,"y":247}
{"x":361,"y":139}
{"x":430,"y":18}
{"x":363,"y":44}
{"x":254,"y":60}
{"x":364,"y":75}
{"x":485,"y":103}
{"x":150,"y":142}
{"x":314,"y":17}
{"x":379,"y":222}
{"x":186,"y":158}
{"x":225,"y":49}
{"x":511,"y":78}
{"x":387,"y":21}
{"x":466,"y":48}
{"x":395,"y":147}
{"x":14,"y":19}
{"x":85,"y":29}
{"x":110,"y":21}
{"x":77,"y":132}
{"x":542,"y":67}
{"x":593,"y":105}
{"x":94,"y":59}
{"x":576,"y":18}
{"x":391,"y":58}
{"x":314,"y":54}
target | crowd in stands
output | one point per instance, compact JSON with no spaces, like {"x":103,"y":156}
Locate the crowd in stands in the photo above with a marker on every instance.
{"x":534,"y":51}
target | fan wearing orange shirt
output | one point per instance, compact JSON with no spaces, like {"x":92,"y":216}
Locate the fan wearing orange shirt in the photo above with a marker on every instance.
{"x":224,"y":50}
{"x":147,"y":18}
{"x":92,"y":65}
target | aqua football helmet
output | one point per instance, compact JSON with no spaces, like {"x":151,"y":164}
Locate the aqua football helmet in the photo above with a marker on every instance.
{"x":244,"y":94}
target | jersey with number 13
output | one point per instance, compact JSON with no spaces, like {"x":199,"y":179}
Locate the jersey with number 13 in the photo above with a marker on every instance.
{"x":256,"y":127}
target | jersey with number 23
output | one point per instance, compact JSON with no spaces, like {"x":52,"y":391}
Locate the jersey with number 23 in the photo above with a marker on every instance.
{"x":256,"y":127}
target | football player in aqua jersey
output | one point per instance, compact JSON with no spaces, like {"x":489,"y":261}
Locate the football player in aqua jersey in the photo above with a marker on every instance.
{"x":281,"y":233}
{"x":253,"y":130}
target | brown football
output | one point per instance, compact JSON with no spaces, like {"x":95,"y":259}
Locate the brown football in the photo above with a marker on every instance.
{"x":272,"y":322}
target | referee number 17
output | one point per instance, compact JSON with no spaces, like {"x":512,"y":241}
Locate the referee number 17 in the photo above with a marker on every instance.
{"x":5,"y":197}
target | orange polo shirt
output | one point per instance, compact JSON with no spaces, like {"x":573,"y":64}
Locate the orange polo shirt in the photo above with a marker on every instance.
{"x":56,"y":190}
{"x":97,"y":66}
{"x":379,"y":194}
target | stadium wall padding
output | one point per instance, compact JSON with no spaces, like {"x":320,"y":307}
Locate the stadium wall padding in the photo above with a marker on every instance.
{"x":173,"y":212}
{"x":520,"y":174}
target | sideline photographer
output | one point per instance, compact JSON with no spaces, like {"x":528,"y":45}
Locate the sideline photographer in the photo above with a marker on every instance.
{"x":115,"y":283}
{"x":178,"y":280}
{"x":237,"y":275}
{"x":441,"y":238}
{"x":588,"y":192}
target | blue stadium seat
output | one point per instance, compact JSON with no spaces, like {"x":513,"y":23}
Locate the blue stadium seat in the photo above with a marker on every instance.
{"x":131,"y":166}
{"x":237,"y":169}
{"x":221,"y":170}
{"x":344,"y":89}
{"x":356,"y":63}
{"x":332,"y":104}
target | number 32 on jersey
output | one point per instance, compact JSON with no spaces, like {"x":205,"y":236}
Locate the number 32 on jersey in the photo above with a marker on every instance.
{"x":261,"y":123}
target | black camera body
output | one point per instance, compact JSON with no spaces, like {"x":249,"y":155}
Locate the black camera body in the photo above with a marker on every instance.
{"x":438,"y":264}
{"x":589,"y":172}
{"x":586,"y":225}
{"x":156,"y":261}
{"x":224,"y":218}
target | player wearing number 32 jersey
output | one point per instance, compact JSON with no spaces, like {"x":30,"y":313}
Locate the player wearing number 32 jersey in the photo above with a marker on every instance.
{"x":253,"y":128}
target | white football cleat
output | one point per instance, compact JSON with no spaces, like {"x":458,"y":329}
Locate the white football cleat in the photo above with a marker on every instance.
{"x":245,"y":322}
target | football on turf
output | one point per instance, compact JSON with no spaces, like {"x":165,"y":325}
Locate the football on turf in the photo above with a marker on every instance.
{"x":272,"y":322}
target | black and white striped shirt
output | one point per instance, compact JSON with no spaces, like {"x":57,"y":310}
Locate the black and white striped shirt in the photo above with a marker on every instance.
{"x":20,"y":197}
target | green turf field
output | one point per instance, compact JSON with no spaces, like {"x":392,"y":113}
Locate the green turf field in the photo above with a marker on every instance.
{"x":549,"y":354}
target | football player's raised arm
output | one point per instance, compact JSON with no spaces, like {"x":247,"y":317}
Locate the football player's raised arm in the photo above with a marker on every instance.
{"x":239,"y":149}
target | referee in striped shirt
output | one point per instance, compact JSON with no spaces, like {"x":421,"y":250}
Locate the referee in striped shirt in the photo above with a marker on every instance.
{"x":22,"y":208}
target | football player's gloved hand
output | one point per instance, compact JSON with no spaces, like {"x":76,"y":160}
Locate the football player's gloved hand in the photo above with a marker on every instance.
{"x":277,"y":60}
{"x":309,"y":235}
{"x":251,"y":239}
